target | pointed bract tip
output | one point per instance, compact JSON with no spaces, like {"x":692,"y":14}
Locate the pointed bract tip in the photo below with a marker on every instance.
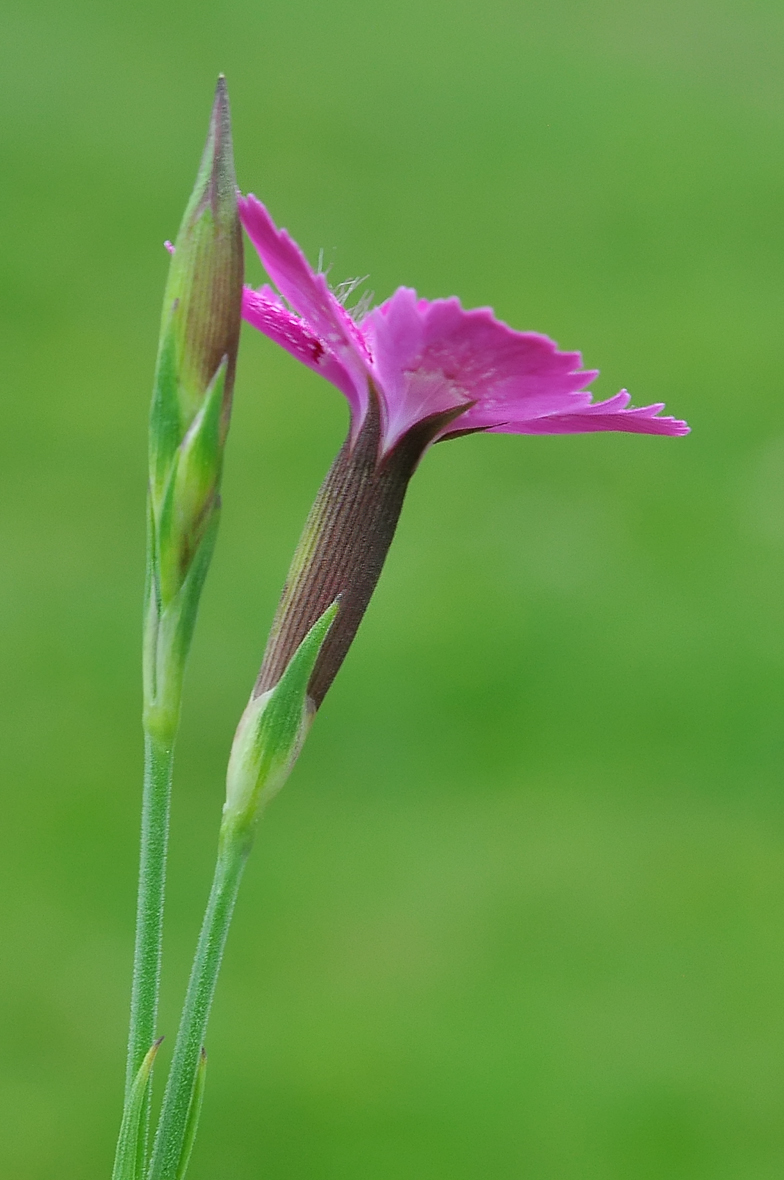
{"x":216,"y":184}
{"x":218,"y":154}
{"x":220,"y":106}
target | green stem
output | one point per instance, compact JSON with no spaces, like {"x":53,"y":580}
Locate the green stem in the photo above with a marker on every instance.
{"x":158,"y":766}
{"x":233,"y":848}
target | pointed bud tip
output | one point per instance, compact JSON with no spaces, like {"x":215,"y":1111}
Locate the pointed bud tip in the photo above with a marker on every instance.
{"x":203,"y":299}
{"x":220,"y":105}
{"x":216,"y":184}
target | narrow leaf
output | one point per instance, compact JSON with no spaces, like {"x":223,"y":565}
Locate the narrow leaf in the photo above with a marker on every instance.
{"x":168,"y":637}
{"x":194,"y":1111}
{"x":180,"y":618}
{"x":282,"y":717}
{"x":202,"y":444}
{"x":166,"y":554}
{"x":198,"y":472}
{"x":165,"y":416}
{"x":130,"y":1146}
{"x":272,"y":729}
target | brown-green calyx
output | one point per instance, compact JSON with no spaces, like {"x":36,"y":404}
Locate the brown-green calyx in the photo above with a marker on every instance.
{"x":344,"y":545}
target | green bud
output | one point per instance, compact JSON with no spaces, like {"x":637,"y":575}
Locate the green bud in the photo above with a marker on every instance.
{"x":189,"y":418}
{"x":271,"y":732}
{"x":202,"y":304}
{"x":197,"y":353}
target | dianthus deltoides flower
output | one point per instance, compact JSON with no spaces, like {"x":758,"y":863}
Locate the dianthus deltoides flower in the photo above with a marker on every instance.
{"x":414,"y":372}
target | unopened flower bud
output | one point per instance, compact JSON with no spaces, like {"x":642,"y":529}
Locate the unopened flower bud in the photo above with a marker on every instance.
{"x":202,"y":304}
{"x":191,"y":405}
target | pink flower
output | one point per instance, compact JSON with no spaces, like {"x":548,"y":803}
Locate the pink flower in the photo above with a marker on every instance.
{"x":426,"y":357}
{"x":414,"y":372}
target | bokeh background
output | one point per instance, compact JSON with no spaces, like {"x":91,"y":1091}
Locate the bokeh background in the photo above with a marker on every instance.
{"x":520,"y":911}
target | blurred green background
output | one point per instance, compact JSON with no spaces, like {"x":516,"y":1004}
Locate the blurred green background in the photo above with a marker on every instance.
{"x":520,"y":911}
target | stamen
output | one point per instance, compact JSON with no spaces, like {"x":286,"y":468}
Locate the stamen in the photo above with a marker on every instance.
{"x":361,"y":307}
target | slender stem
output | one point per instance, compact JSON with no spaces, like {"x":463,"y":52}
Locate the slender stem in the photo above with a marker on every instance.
{"x":233,"y":849}
{"x":158,"y":765}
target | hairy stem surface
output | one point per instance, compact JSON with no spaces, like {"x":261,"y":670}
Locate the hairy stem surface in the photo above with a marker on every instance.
{"x":233,"y":850}
{"x":158,"y":766}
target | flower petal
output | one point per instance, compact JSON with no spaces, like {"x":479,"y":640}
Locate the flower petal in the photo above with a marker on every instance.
{"x":309,"y":294}
{"x":411,"y":382}
{"x":266,"y":311}
{"x":433,"y":356}
{"x":427,"y":358}
{"x":609,"y":415}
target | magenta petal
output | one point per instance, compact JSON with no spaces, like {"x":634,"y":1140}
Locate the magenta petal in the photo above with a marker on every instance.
{"x":608,"y":415}
{"x":434,"y":356}
{"x":267,"y":312}
{"x":410,"y":380}
{"x":428,"y":358}
{"x":309,"y":294}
